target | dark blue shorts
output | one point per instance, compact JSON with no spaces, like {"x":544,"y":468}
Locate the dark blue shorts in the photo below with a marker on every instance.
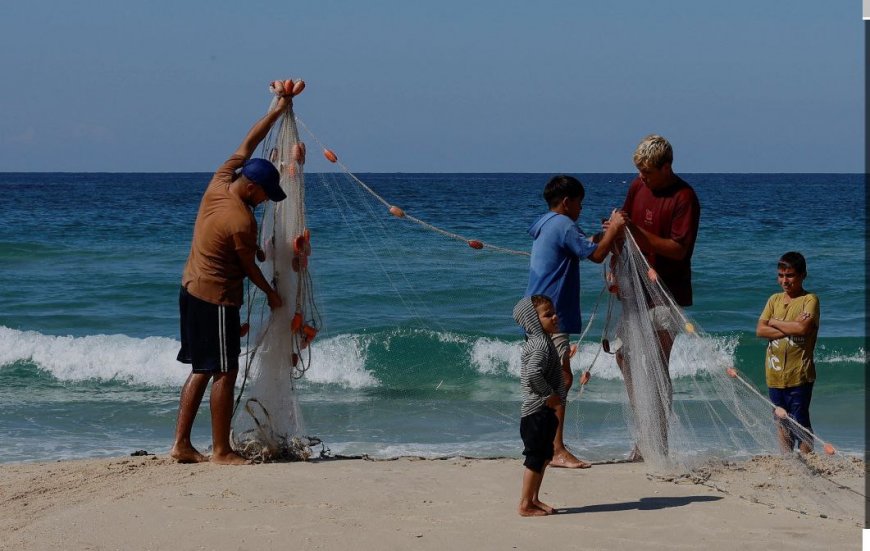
{"x":210,"y":338}
{"x":796,"y":401}
{"x":538,"y":431}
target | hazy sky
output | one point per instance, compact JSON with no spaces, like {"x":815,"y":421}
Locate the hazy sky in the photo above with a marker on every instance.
{"x":446,"y":86}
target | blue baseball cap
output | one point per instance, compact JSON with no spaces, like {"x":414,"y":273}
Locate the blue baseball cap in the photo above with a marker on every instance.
{"x":264,"y":174}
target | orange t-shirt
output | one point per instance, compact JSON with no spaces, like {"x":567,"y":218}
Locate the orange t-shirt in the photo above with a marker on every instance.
{"x":225,"y":232}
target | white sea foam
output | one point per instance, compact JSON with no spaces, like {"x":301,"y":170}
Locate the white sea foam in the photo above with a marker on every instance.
{"x":148,"y":361}
{"x":452,"y":338}
{"x":152,"y":360}
{"x":341,"y":360}
{"x":485,"y":448}
{"x":689,"y":357}
{"x":490,"y":356}
{"x":337,"y":360}
{"x":835,"y":356}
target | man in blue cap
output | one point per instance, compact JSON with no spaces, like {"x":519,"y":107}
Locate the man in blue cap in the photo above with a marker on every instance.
{"x":222,"y":254}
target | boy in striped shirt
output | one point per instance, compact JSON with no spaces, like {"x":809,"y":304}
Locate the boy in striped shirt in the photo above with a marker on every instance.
{"x":543,"y":390}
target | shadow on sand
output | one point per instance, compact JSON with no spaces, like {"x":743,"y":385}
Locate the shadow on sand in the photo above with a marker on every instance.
{"x":644,"y":504}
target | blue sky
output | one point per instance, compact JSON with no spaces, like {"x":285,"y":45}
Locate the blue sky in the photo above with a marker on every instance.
{"x":447,"y":86}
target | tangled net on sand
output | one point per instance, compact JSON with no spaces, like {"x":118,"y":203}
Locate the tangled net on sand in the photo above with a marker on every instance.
{"x":693,"y":413}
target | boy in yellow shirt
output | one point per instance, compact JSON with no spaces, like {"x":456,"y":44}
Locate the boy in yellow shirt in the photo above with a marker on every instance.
{"x":790,"y":322}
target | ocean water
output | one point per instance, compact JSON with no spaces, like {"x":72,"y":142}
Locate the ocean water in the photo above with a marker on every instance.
{"x":419,"y":354}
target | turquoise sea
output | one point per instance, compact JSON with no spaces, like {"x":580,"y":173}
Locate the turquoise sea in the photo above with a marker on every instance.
{"x":418,"y":354}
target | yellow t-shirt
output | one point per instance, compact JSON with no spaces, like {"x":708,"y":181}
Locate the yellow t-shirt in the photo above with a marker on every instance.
{"x":789,"y":360}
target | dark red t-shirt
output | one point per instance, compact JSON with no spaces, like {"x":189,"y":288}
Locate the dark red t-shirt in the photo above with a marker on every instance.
{"x":671,"y":213}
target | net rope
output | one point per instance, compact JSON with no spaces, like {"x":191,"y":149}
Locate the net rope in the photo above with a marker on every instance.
{"x":401,"y":213}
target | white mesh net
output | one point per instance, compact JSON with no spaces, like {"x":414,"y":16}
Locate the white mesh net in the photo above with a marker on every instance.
{"x":692,"y":412}
{"x":693,"y":416}
{"x":268,"y":422}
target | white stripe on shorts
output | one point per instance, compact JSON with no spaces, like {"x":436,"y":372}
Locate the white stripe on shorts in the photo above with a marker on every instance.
{"x":222,"y":337}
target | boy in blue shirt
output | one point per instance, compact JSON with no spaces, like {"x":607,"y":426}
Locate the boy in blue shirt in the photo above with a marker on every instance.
{"x":554,"y":271}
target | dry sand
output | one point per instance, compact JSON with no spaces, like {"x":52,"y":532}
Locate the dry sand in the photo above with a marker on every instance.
{"x":153,"y":503}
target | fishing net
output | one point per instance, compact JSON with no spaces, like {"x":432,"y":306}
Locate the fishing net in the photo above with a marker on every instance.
{"x":692,"y":413}
{"x":693,"y":416}
{"x":268,"y":423}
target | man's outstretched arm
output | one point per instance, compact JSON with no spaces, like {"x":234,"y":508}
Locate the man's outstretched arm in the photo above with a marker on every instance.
{"x":261,"y":128}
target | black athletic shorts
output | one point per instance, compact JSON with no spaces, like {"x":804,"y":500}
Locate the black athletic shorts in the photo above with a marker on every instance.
{"x":209,"y":335}
{"x":538,"y":431}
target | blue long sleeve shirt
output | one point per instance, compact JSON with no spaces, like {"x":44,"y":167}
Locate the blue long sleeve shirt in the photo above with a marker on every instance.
{"x":554,"y":269}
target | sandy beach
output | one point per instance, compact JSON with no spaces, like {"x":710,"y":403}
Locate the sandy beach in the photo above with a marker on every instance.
{"x":150,"y":502}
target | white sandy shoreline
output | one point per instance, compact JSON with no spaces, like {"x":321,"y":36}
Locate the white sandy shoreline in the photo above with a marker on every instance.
{"x":151,"y":502}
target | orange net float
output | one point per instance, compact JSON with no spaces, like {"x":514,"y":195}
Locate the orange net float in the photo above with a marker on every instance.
{"x":296,"y":322}
{"x":585,"y":377}
{"x":309,"y":332}
{"x":572,"y":350}
{"x":780,"y":412}
{"x":731,"y":372}
{"x":299,"y":245}
{"x":299,"y":153}
{"x":298,"y":87}
{"x":652,"y":275}
{"x":397,"y":212}
{"x":299,"y":263}
{"x":830,"y":450}
{"x":277,"y":87}
{"x":475,"y":244}
{"x":330,"y":156}
{"x":288,"y":86}
{"x":612,"y":287}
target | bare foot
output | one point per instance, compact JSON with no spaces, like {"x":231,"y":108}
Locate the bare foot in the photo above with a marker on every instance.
{"x":544,"y":507}
{"x":187,"y":455}
{"x":566,"y":460}
{"x":231,"y":458}
{"x":531,"y":511}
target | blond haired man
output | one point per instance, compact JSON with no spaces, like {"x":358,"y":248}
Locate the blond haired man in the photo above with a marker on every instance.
{"x":664,"y":214}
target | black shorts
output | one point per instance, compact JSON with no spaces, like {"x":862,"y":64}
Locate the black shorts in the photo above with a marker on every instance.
{"x":209,"y":335}
{"x":538,"y":431}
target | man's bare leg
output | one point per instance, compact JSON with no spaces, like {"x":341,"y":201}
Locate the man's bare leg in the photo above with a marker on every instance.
{"x":634,"y":455}
{"x":666,"y":343}
{"x":221,"y":402}
{"x":191,"y":396}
